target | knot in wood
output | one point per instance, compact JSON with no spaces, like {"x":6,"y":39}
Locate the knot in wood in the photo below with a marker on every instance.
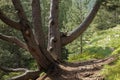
{"x":53,"y":39}
{"x":52,"y":22}
{"x":50,"y":49}
{"x":27,"y":32}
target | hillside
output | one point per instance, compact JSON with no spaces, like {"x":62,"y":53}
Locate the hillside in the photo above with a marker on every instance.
{"x":102,"y":44}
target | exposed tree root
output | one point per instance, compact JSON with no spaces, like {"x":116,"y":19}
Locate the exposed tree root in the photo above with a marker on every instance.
{"x":27,"y":74}
{"x":5,"y":69}
{"x":88,"y":70}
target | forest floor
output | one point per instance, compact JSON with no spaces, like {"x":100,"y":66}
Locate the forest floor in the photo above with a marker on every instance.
{"x":87,"y":70}
{"x":91,"y":70}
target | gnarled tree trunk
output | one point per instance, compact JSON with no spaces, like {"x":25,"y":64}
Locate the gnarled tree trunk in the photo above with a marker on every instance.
{"x":49,"y":58}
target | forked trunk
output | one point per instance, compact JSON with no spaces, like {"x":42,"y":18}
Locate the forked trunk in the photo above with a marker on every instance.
{"x":49,"y":58}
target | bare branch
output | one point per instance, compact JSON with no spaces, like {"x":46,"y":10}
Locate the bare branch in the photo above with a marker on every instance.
{"x":42,"y":59}
{"x":54,"y":43}
{"x":19,"y":9}
{"x":9,"y":22}
{"x":39,"y":32}
{"x":37,"y":21}
{"x":83,"y":26}
{"x":12,"y":39}
{"x":29,"y":74}
{"x":5,"y":69}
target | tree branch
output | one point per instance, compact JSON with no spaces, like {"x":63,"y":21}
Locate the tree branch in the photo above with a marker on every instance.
{"x":5,"y":69}
{"x":83,"y":26}
{"x":28,"y":74}
{"x":54,"y":42}
{"x":42,"y":59}
{"x":19,"y":9}
{"x":37,"y":21}
{"x":12,"y":39}
{"x":9,"y":22}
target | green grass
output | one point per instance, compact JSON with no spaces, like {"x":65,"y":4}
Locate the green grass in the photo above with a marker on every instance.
{"x":102,"y":44}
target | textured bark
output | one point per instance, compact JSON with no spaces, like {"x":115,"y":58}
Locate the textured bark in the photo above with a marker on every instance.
{"x":54,"y":42}
{"x":5,"y":69}
{"x":30,"y":38}
{"x":9,"y":22}
{"x":27,"y":76}
{"x":37,"y":21}
{"x":38,"y":29}
{"x":83,"y":26}
{"x":14,"y":40}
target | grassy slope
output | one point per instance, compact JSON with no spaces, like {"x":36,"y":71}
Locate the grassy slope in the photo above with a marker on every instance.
{"x":102,"y":44}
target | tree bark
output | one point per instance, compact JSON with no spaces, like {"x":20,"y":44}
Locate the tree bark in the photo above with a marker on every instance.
{"x":54,"y":41}
{"x":9,"y":22}
{"x":37,"y":21}
{"x":38,"y":29}
{"x":27,"y":76}
{"x":14,"y":40}
{"x":29,"y":38}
